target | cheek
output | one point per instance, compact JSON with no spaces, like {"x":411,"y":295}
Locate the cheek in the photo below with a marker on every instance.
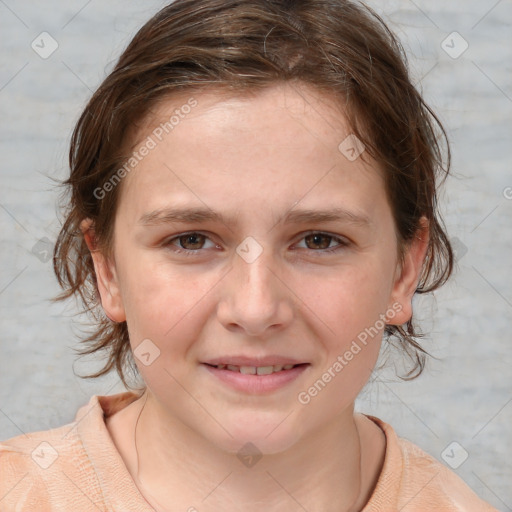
{"x":167,"y":307}
{"x":163,"y":302}
{"x":350,"y":306}
{"x":352,"y":299}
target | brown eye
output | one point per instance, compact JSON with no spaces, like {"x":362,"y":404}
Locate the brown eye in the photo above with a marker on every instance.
{"x":188,"y":244}
{"x":320,"y":243}
{"x":318,"y":239}
{"x":191,"y":241}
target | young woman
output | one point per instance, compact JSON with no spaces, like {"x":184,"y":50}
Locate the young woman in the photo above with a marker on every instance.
{"x":252,"y":208}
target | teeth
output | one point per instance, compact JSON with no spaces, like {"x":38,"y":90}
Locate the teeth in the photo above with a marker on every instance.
{"x":256,"y":370}
{"x":265,"y":370}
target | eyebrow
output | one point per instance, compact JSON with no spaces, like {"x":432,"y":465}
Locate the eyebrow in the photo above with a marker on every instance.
{"x":198,"y":214}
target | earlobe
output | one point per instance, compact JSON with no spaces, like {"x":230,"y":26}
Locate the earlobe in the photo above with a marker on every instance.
{"x":408,"y":274}
{"x":106,"y":276}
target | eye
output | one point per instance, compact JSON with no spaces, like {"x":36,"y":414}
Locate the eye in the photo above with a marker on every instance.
{"x":187,"y":243}
{"x":322,"y":241}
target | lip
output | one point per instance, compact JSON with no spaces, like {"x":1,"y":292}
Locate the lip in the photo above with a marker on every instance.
{"x":241,"y":360}
{"x":256,"y":384}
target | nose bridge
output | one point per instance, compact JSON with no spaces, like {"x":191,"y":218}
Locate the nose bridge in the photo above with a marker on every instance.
{"x":256,"y":283}
{"x":256,"y":276}
{"x":256,"y":298}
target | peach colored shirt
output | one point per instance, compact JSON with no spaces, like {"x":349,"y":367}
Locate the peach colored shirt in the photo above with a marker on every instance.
{"x":76,"y":467}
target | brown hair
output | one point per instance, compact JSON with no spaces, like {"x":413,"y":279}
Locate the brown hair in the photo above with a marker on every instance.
{"x":336,"y":46}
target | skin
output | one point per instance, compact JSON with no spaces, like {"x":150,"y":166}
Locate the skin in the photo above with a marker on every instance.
{"x":253,"y":158}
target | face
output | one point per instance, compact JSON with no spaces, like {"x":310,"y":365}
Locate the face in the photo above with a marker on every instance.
{"x":293,"y":260}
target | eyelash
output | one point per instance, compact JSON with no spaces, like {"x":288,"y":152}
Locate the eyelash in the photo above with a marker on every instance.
{"x":190,"y":252}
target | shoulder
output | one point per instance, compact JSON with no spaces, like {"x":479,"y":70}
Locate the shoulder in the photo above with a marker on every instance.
{"x":417,"y":481}
{"x":45,"y":470}
{"x":435,"y":482}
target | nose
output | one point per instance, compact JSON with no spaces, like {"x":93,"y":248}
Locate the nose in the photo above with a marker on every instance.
{"x":256,"y":298}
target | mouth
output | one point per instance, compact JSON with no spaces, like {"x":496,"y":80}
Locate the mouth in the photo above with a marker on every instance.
{"x":255,"y":379}
{"x":256,"y":370}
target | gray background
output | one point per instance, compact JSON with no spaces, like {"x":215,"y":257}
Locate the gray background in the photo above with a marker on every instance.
{"x":465,"y":396}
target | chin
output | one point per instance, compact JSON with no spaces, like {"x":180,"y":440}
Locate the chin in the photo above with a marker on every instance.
{"x":270,"y":435}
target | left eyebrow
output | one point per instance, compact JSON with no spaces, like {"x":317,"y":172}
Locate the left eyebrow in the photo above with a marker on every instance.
{"x":198,"y":215}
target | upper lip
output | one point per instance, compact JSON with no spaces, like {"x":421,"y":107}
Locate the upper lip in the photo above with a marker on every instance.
{"x":272,"y":360}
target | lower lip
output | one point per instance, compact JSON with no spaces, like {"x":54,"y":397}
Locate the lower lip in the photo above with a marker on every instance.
{"x":257,"y":383}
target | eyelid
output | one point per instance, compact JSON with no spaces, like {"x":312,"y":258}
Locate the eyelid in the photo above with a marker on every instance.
{"x":341,"y":238}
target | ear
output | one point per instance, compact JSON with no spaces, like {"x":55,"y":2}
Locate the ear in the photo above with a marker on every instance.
{"x":106,"y":276}
{"x":407,"y":274}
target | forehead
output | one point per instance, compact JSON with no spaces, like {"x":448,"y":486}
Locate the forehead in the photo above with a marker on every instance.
{"x":280,"y":144}
{"x":224,"y":110}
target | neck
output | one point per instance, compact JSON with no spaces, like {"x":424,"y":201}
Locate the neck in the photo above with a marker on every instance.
{"x":321,"y":472}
